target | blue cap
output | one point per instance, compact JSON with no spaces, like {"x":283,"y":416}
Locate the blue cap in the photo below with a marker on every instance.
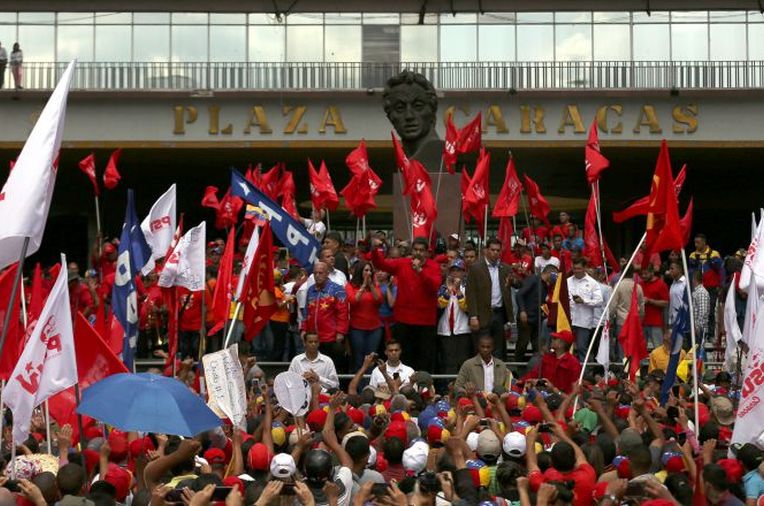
{"x":458,"y":263}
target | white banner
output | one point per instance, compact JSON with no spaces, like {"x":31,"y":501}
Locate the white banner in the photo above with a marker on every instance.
{"x":225,"y":385}
{"x":185,"y":266}
{"x":293,"y":393}
{"x":159,"y":227}
{"x":48,"y":364}
{"x":750,"y":413}
{"x":731,"y":329}
{"x":247,"y":263}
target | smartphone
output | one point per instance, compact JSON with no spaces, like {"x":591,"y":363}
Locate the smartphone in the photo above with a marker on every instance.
{"x":286,"y":489}
{"x":379,"y":489}
{"x":634,"y":490}
{"x":675,"y":391}
{"x":174,"y":495}
{"x":681,"y":438}
{"x":221,"y":493}
{"x":672,"y":412}
{"x":545,"y":427}
{"x":396,"y":376}
{"x":484,"y":422}
{"x":13,"y":486}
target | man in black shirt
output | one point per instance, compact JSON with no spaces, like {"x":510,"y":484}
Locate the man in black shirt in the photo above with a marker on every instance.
{"x":530,"y":297}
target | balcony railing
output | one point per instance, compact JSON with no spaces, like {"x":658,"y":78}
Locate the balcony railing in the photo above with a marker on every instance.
{"x":362,"y":76}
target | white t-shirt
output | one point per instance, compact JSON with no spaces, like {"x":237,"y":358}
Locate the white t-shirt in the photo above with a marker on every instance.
{"x":377,"y":379}
{"x":540,"y":262}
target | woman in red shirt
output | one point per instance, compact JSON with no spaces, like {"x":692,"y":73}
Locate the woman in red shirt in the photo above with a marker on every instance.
{"x":364,"y":299}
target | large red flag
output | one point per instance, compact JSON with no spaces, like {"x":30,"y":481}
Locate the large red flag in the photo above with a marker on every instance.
{"x":261,"y":302}
{"x":227,"y":214}
{"x":468,"y":212}
{"x":111,"y":175}
{"x":470,"y":136}
{"x":363,"y":187}
{"x":449,"y":144}
{"x":506,"y":231}
{"x":357,"y":160}
{"x":663,"y":229}
{"x":221,"y":298}
{"x":287,"y":191}
{"x":11,"y":348}
{"x":592,"y":247}
{"x":210,"y":198}
{"x":508,"y":202}
{"x":631,"y":337}
{"x":401,"y":160}
{"x":322,"y":192}
{"x":37,"y":295}
{"x":639,"y":207}
{"x":595,"y":163}
{"x":88,"y":166}
{"x":538,"y":204}
{"x":477,"y":198}
{"x":423,"y":211}
{"x":271,"y":180}
{"x":686,"y":222}
{"x":331,"y":200}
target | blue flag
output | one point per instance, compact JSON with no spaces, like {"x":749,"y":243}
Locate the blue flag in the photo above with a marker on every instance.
{"x":133,"y":253}
{"x":679,"y":329}
{"x":292,"y":234}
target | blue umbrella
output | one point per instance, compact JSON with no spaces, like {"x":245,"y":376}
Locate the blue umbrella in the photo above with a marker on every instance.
{"x":148,"y":403}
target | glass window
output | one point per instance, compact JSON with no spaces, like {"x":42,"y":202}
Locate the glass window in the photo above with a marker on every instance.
{"x":535,"y":17}
{"x":419,"y":43}
{"x":151,"y":18}
{"x":689,"y":16}
{"x":74,"y":42}
{"x":573,"y":42}
{"x":496,"y":43}
{"x":535,"y":43}
{"x":309,"y":18}
{"x":75,"y":18}
{"x":264,"y":19}
{"x":573,"y":17}
{"x":305,"y":43}
{"x":755,"y":17}
{"x":36,"y":42}
{"x":228,"y":43}
{"x":756,"y":42}
{"x":189,"y":18}
{"x":381,"y":43}
{"x":189,"y":43}
{"x":651,"y":43}
{"x":612,"y":17}
{"x":342,"y":18}
{"x":458,"y":18}
{"x":37,"y":17}
{"x":727,"y":16}
{"x":380,"y":18}
{"x":7,"y":17}
{"x":112,"y":43}
{"x":689,"y":42}
{"x":8,"y":37}
{"x":458,"y":43}
{"x":611,"y":43}
{"x":113,"y":18}
{"x":266,"y":44}
{"x":342,"y":43}
{"x":653,"y":17}
{"x":727,"y":42}
{"x":228,"y":19}
{"x":151,"y":43}
{"x":413,"y":19}
{"x":488,"y":18}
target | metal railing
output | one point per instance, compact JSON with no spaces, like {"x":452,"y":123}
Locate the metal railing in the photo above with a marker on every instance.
{"x":364,"y":76}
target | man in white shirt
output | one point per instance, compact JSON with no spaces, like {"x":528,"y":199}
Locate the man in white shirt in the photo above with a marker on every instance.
{"x":335,"y":275}
{"x":677,"y":290}
{"x":585,"y":295}
{"x":315,"y":224}
{"x":394,"y":366}
{"x":544,"y":259}
{"x":315,"y":366}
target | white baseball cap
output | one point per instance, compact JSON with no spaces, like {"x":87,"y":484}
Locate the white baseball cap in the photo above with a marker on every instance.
{"x":472,"y":440}
{"x":514,"y":444}
{"x":283,"y":466}
{"x":415,"y":457}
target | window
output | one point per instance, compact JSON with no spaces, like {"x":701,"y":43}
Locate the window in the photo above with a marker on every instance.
{"x":228,"y":43}
{"x":612,"y":17}
{"x":113,"y":18}
{"x":419,"y":43}
{"x":266,"y":44}
{"x":573,"y":17}
{"x":756,"y":42}
{"x":151,"y":18}
{"x":75,"y":42}
{"x":653,"y":17}
{"x":228,"y":19}
{"x":311,"y":18}
{"x":496,"y":43}
{"x":342,"y":18}
{"x":74,"y":18}
{"x":380,"y":18}
{"x":36,"y":42}
{"x":535,"y":17}
{"x":727,"y":42}
{"x":342,"y":43}
{"x":502,"y":18}
{"x":305,"y":43}
{"x":151,"y":43}
{"x":651,"y":43}
{"x":573,"y":42}
{"x":689,"y":42}
{"x":535,"y":43}
{"x":459,"y":18}
{"x":39,"y":18}
{"x":458,"y":43}
{"x":112,"y":43}
{"x":611,"y":43}
{"x":189,"y":18}
{"x":189,"y":43}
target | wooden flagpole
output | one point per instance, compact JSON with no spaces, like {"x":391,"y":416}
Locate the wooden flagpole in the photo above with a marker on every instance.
{"x":693,"y":343}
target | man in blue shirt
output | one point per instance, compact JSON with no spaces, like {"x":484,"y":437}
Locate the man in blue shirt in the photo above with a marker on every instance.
{"x":751,"y":457}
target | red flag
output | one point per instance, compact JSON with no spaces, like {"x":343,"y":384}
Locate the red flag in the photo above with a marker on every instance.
{"x":592,"y":248}
{"x":363,"y":187}
{"x":261,"y":302}
{"x":467,"y":212}
{"x":287,"y":191}
{"x":111,"y":175}
{"x":594,"y":162}
{"x":423,"y":211}
{"x":631,"y":337}
{"x":12,"y":346}
{"x":506,"y":231}
{"x":37,"y":294}
{"x":449,"y":145}
{"x":537,"y":203}
{"x":508,"y":202}
{"x":663,"y":229}
{"x":227,"y":214}
{"x":271,"y":181}
{"x":686,"y":222}
{"x":210,"y":198}
{"x":477,"y":198}
{"x":322,"y":192}
{"x":470,"y":136}
{"x":639,"y":207}
{"x":331,"y":199}
{"x":221,"y":298}
{"x":401,"y":160}
{"x":357,"y":160}
{"x":88,"y":166}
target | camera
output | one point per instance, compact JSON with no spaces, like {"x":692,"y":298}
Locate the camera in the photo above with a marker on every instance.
{"x":428,"y":483}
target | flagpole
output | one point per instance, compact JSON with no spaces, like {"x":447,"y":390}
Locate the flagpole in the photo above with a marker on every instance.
{"x":596,"y":195}
{"x":605,"y":312}
{"x":47,"y":427}
{"x":328,"y":221}
{"x":83,"y":438}
{"x":405,"y":207}
{"x":437,"y":194}
{"x":235,"y":316}
{"x":363,"y":222}
{"x":485,"y":224}
{"x":525,"y":212}
{"x":203,"y":326}
{"x":14,"y":292}
{"x":692,"y":337}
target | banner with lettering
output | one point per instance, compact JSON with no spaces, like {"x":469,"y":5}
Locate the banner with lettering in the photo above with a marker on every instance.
{"x":159,"y":228}
{"x":292,"y":234}
{"x":225,"y":385}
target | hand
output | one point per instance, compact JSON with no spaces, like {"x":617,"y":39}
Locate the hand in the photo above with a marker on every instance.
{"x":336,"y":400}
{"x":492,"y":399}
{"x":523,"y":317}
{"x":105,"y":449}
{"x":234,"y":498}
{"x":203,"y":497}
{"x":416,"y":264}
{"x":158,"y":495}
{"x":32,"y":492}
{"x":655,"y":489}
{"x":376,"y":243}
{"x":368,"y":360}
{"x":709,"y":445}
{"x":474,"y":323}
{"x":304,"y":495}
{"x":340,"y":337}
{"x":64,"y":436}
{"x":546,"y":493}
{"x":162,"y":440}
{"x":382,"y":366}
{"x":189,"y":447}
{"x":394,"y":496}
{"x":617,"y":487}
{"x":270,"y":492}
{"x":446,"y":485}
{"x":311,"y":376}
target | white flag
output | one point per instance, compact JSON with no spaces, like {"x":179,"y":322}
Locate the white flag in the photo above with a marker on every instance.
{"x":750,"y":412}
{"x":185,"y":266}
{"x":159,"y":227}
{"x":754,"y":261}
{"x":48,"y":364}
{"x":225,"y":385}
{"x":603,"y":352}
{"x":246,"y":264}
{"x":731,"y":327}
{"x":26,"y":195}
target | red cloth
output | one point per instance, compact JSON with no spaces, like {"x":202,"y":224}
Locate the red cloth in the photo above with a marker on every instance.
{"x":475,"y":198}
{"x":632,"y":337}
{"x":539,"y":207}
{"x":417,"y":292}
{"x":189,"y":310}
{"x":326,"y":312}
{"x":566,"y":262}
{"x":508,"y":201}
{"x":538,"y":235}
{"x":322,"y":192}
{"x":563,"y":372}
{"x":655,"y":260}
{"x":261,"y":302}
{"x":584,"y":476}
{"x":153,"y":301}
{"x":221,"y":300}
{"x":111,"y":175}
{"x":11,"y":349}
{"x":664,"y":232}
{"x":80,"y":299}
{"x":364,"y":314}
{"x":87,"y":165}
{"x":657,"y":290}
{"x":595,"y":163}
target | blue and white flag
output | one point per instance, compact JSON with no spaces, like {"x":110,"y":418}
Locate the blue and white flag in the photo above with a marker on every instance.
{"x":292,"y":234}
{"x":680,"y":328}
{"x":133,"y":253}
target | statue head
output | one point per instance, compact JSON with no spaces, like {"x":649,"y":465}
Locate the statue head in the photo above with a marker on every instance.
{"x":411,"y":106}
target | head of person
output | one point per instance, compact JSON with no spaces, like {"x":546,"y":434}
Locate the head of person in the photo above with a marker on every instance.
{"x":697,"y":278}
{"x":674,"y":256}
{"x":564,"y":217}
{"x":557,"y":241}
{"x":358,"y":449}
{"x":411,"y":104}
{"x":648,"y":273}
{"x":701,"y":241}
{"x":16,"y":46}
{"x":393,"y":449}
{"x":715,"y":481}
{"x":546,"y":253}
{"x":321,"y":273}
{"x":548,"y":273}
{"x":393,"y":352}
{"x":46,"y":482}
{"x":382,"y":277}
{"x":456,"y":270}
{"x":563,"y":457}
{"x":318,"y":468}
{"x":493,"y":250}
{"x":676,"y":270}
{"x":470,"y":255}
{"x":361,"y":271}
{"x":317,"y":214}
{"x":572,"y":230}
{"x":562,"y":341}
{"x":333,"y":240}
{"x":640,"y":460}
{"x":579,"y":268}
{"x":71,"y":479}
{"x":311,"y":342}
{"x":419,"y":248}
{"x":327,"y":256}
{"x":485,"y":347}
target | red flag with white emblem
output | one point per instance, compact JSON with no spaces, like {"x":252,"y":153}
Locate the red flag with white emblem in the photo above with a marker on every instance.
{"x":595,"y":162}
{"x":88,"y":166}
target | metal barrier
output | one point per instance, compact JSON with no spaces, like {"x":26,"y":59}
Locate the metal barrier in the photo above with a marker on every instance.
{"x":364,"y":76}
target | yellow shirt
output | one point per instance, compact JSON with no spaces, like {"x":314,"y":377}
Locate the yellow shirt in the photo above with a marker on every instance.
{"x":659,"y":359}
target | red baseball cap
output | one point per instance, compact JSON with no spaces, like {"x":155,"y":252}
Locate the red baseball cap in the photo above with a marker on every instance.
{"x":119,"y":446}
{"x":532,"y":414}
{"x":397,"y":429}
{"x":121,"y":479}
{"x":259,"y":458}
{"x":316,"y":419}
{"x":215,"y":456}
{"x":565,"y":335}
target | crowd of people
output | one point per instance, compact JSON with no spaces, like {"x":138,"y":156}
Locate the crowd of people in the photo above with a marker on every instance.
{"x":461,"y":390}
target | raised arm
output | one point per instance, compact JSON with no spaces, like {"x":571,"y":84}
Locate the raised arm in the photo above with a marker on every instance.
{"x":330,"y":438}
{"x":368,"y":360}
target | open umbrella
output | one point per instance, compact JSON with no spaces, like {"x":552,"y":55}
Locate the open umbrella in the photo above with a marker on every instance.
{"x":149,"y":403}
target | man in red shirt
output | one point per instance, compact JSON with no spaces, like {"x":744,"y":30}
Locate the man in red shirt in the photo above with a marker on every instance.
{"x":82,"y":297}
{"x":189,"y":323}
{"x":656,"y":295}
{"x":566,"y":263}
{"x":558,"y":365}
{"x":415,"y":308}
